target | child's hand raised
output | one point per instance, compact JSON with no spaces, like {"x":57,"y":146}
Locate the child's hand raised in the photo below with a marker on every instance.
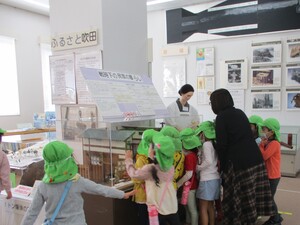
{"x":128,"y":154}
{"x":128,"y":194}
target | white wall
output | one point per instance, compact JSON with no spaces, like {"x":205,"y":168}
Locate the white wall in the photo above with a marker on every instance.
{"x":230,"y":48}
{"x":26,"y":28}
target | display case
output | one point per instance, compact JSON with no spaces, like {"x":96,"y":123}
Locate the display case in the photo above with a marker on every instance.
{"x":290,"y":156}
{"x":99,"y":147}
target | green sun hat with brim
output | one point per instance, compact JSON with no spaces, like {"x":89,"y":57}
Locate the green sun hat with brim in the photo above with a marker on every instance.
{"x":255,"y":119}
{"x":274,"y":125}
{"x":145,"y":142}
{"x":59,"y":166}
{"x":189,"y":139}
{"x":173,"y":133}
{"x":2,"y":131}
{"x":164,"y":151}
{"x":208,"y":128}
{"x":258,"y":121}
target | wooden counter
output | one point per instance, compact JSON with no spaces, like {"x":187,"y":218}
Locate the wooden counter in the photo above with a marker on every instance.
{"x":30,"y":131}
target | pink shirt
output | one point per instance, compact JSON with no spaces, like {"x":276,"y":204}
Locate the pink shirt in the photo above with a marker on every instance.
{"x":4,"y":172}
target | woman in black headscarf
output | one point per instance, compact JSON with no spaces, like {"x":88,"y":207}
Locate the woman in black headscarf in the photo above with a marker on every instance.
{"x":246,"y":188}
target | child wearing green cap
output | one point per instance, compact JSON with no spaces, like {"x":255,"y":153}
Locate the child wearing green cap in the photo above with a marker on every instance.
{"x":60,"y":167}
{"x":5,"y":183}
{"x":139,"y":185}
{"x":190,"y":143}
{"x":255,"y":125}
{"x":270,"y":149}
{"x":178,"y":163}
{"x":209,"y":184}
{"x":158,"y":178}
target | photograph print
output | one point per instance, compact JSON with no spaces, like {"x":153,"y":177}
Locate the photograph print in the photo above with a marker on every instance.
{"x":293,"y":100}
{"x":234,"y":73}
{"x":265,"y":77}
{"x":293,"y":75}
{"x":265,"y":100}
{"x":266,"y":53}
{"x":293,"y":50}
{"x":263,"y":55}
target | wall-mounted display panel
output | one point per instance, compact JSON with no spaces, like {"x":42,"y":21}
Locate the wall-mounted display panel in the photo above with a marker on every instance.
{"x":233,"y":74}
{"x":293,"y":99}
{"x":266,"y":52}
{"x":293,"y":75}
{"x":293,"y":50}
{"x":266,"y":76}
{"x":267,"y":100}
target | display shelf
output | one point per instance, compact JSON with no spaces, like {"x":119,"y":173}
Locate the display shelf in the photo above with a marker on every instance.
{"x":290,"y":155}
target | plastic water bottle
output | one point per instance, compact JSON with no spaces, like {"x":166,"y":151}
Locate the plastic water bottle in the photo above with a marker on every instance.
{"x":153,"y":215}
{"x":185,"y":192}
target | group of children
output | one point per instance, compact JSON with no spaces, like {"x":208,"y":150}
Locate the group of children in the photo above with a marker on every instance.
{"x":192,"y":159}
{"x":166,"y":162}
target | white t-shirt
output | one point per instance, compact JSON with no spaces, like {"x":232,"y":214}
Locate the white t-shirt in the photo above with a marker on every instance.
{"x":209,"y":162}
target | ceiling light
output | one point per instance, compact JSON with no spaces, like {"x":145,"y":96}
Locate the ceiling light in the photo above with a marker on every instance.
{"x":158,"y":2}
{"x":38,"y":3}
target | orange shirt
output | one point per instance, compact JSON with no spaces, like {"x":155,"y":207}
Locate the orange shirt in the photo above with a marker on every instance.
{"x":272,"y":156}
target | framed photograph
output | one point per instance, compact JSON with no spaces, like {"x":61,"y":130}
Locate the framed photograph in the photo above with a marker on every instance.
{"x":293,"y":100}
{"x":266,"y":77}
{"x":293,"y":75}
{"x":293,"y":50}
{"x":234,"y":74}
{"x":269,"y":100}
{"x":266,"y":52}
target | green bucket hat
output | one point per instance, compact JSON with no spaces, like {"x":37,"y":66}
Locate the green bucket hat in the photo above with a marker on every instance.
{"x":145,"y":142}
{"x":258,"y":121}
{"x":2,"y":131}
{"x":273,"y":124}
{"x":189,"y":139}
{"x":208,"y":128}
{"x":59,"y":165}
{"x":164,"y":151}
{"x":173,"y":133}
{"x":255,"y":119}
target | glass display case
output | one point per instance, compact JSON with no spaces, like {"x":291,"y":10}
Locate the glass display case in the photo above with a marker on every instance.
{"x":290,"y":156}
{"x":99,"y":146}
{"x":99,"y":149}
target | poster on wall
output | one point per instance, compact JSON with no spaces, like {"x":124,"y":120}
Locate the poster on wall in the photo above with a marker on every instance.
{"x":293,"y":99}
{"x":205,"y":62}
{"x":173,"y":76}
{"x":266,"y":100}
{"x":293,"y":50}
{"x":90,"y":60}
{"x":293,"y":75}
{"x":233,"y":74}
{"x":62,"y":73}
{"x":205,"y":86}
{"x":238,"y":97}
{"x":265,"y":76}
{"x":266,"y":52}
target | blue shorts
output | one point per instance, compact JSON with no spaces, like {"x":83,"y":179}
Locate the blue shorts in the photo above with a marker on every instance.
{"x":209,"y":190}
